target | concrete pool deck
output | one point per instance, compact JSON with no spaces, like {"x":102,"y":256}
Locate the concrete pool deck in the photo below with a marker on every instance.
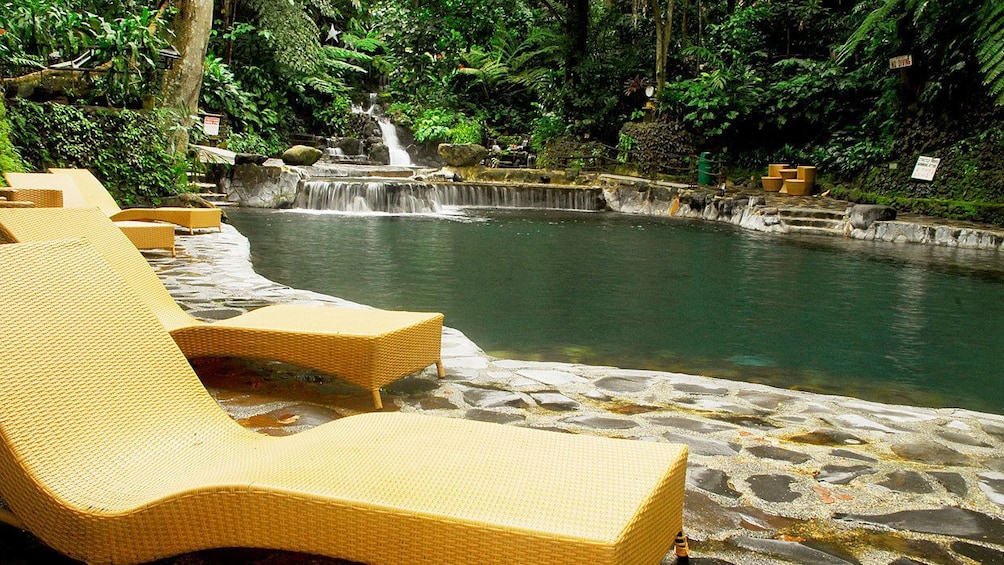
{"x":775,"y":476}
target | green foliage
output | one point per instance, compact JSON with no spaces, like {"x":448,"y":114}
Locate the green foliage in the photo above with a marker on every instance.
{"x":221,"y":91}
{"x":127,"y":149}
{"x":130,"y":48}
{"x":546,"y":127}
{"x":625,"y":145}
{"x":445,"y":126}
{"x":283,"y":74}
{"x":990,"y":53}
{"x":711,"y":102}
{"x":10,"y":159}
{"x":251,"y":142}
{"x":122,"y":40}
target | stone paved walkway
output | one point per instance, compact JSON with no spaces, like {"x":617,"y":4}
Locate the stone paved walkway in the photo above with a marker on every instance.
{"x":775,"y":476}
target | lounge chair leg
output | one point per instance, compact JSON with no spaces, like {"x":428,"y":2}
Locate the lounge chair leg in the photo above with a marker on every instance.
{"x":376,"y":399}
{"x":682,"y":549}
{"x":440,"y":370}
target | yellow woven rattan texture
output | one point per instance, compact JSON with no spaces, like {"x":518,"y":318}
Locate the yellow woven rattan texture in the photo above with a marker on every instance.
{"x":95,"y":194}
{"x":113,"y":452}
{"x":148,"y":235}
{"x":367,"y":347}
{"x":143,"y":235}
{"x":40,"y":197}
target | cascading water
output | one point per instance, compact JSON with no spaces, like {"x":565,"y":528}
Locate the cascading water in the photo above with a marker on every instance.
{"x":403,"y":197}
{"x":398,"y":156}
{"x":388,"y":133}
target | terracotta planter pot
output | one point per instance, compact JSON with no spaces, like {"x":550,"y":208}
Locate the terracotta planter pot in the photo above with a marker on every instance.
{"x":787,"y":173}
{"x":774,"y":168}
{"x":797,"y":187}
{"x":808,"y":174}
{"x":772,"y":184}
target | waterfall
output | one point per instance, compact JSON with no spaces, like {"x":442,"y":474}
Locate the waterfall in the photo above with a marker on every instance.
{"x":388,"y":132}
{"x":398,"y":156}
{"x":427,"y":198}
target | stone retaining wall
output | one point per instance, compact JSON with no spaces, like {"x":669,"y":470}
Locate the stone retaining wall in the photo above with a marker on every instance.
{"x":752,"y":212}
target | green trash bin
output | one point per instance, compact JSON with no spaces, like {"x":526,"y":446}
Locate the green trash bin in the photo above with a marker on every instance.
{"x":704,"y":166}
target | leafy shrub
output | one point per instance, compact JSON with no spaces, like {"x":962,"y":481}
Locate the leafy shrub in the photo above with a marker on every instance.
{"x":659,"y":147}
{"x":546,"y":128}
{"x":129,"y":150}
{"x":438,"y":125}
{"x":10,"y":160}
{"x":251,"y":142}
{"x":125,"y":38}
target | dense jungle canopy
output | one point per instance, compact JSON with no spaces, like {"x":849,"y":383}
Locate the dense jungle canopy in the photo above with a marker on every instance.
{"x":751,"y":80}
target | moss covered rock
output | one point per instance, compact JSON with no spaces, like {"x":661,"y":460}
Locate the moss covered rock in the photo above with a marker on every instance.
{"x":301,"y":155}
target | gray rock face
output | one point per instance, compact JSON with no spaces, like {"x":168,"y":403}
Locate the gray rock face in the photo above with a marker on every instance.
{"x":462,"y":154}
{"x":379,"y":153}
{"x":348,"y":145}
{"x":301,"y":155}
{"x":862,"y":216}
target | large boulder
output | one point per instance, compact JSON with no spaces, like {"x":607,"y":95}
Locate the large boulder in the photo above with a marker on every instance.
{"x":462,"y":154}
{"x":301,"y":155}
{"x":862,"y":216}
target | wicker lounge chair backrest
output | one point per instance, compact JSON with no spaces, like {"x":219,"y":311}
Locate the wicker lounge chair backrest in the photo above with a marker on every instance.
{"x":72,"y":197}
{"x":93,"y":192}
{"x":101,"y":375}
{"x":45,"y":224}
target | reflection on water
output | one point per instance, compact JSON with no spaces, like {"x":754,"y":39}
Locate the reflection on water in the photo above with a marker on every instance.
{"x":911,"y":324}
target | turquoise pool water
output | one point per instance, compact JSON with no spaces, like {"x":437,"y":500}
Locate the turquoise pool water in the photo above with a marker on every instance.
{"x":897,"y":323}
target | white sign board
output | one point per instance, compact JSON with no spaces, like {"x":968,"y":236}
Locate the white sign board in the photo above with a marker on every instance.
{"x":901,"y":62}
{"x":925,"y":168}
{"x":211,"y":125}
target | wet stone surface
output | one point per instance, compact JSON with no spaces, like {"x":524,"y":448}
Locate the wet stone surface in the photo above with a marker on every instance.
{"x":774,"y":477}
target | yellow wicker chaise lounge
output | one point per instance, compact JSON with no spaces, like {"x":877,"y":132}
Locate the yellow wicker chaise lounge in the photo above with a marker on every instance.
{"x":97,"y":195}
{"x":113,"y":452}
{"x":57,"y":191}
{"x":367,"y":347}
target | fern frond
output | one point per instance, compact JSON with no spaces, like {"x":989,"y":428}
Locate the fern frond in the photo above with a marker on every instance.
{"x":867,"y":27}
{"x":990,"y":51}
{"x":332,"y":53}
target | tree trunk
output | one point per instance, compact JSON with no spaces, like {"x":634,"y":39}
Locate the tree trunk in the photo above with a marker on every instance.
{"x":183,"y":81}
{"x":663,"y":36}
{"x":577,"y":28}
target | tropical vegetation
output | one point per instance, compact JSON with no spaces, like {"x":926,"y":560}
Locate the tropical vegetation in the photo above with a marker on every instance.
{"x":751,"y":81}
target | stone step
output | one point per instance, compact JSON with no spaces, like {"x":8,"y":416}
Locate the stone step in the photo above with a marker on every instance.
{"x":810,"y":230}
{"x":813,"y":222}
{"x":812,"y":213}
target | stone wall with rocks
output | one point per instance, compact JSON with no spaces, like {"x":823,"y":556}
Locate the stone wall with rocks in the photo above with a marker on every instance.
{"x":257,"y":186}
{"x":752,"y":212}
